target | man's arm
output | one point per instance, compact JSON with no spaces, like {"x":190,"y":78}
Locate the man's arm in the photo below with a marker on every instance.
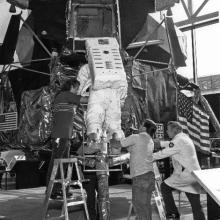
{"x":128,"y":141}
{"x":84,"y":99}
{"x":76,"y":99}
{"x":170,"y":148}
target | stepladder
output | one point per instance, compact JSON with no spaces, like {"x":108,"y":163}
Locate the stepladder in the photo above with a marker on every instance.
{"x":156,"y":194}
{"x":65,"y":178}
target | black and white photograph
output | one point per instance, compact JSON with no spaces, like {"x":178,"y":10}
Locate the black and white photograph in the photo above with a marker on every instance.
{"x":109,"y":110}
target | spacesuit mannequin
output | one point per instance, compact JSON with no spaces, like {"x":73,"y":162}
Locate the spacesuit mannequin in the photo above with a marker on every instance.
{"x":105,"y":77}
{"x":104,"y":107}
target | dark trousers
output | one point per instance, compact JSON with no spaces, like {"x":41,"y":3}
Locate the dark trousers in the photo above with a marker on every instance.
{"x":170,"y":205}
{"x":60,"y":150}
{"x":91,"y":188}
{"x":142,"y":188}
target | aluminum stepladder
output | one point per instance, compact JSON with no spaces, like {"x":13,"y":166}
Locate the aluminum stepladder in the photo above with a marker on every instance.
{"x":65,"y":181}
{"x":156,"y":194}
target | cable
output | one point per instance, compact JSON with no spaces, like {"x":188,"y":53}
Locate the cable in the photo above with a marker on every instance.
{"x":37,"y":60}
{"x":31,"y":70}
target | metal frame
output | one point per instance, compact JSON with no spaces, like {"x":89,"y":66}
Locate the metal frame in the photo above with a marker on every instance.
{"x":195,"y":21}
{"x":95,"y":156}
{"x":147,"y":38}
{"x":193,"y":17}
{"x":13,"y":65}
{"x":105,"y":156}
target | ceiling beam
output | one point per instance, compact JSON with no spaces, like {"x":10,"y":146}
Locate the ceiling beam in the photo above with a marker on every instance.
{"x":199,"y":25}
{"x":198,"y":19}
{"x":200,"y":8}
{"x":186,"y":9}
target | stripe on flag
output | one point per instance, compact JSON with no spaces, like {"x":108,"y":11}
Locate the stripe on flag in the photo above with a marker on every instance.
{"x":195,"y":122}
{"x":8,"y":121}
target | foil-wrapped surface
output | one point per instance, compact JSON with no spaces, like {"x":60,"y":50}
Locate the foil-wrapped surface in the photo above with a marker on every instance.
{"x":103,"y":197}
{"x":37,"y":105}
{"x":35,"y":116}
{"x":61,"y":73}
{"x":101,"y":164}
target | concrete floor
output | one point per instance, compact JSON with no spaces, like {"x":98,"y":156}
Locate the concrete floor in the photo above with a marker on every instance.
{"x":26,"y":204}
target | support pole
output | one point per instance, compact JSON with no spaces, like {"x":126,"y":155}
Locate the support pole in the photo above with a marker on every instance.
{"x":193,"y":37}
{"x":119,"y":22}
{"x":194,"y":57}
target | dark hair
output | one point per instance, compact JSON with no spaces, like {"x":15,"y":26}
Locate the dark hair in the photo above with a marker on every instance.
{"x":150,"y":126}
{"x":67,"y":85}
{"x":75,"y":82}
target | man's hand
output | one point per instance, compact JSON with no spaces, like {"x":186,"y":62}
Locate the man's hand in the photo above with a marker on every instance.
{"x":115,"y":146}
{"x":157,"y":146}
{"x":84,"y":100}
{"x":115,"y":143}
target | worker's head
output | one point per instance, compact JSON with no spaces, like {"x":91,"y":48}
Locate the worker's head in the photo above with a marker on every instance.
{"x":75,"y":86}
{"x":173,"y":128}
{"x":71,"y":85}
{"x":148,"y":126}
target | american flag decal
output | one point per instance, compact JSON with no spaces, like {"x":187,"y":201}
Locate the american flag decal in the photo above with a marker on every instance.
{"x":8,"y":121}
{"x":195,"y":122}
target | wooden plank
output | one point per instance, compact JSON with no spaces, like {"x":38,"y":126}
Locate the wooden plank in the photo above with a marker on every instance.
{"x":209,"y":179}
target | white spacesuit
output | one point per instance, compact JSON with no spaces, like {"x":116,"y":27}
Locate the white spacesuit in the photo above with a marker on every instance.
{"x":105,"y":77}
{"x":104,"y":80}
{"x":104,"y":106}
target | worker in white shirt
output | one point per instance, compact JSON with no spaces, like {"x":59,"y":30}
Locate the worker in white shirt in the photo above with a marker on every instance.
{"x":184,"y":159}
{"x":141,"y":148}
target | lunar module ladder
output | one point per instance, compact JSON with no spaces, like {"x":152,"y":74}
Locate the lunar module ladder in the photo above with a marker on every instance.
{"x":157,"y":195}
{"x":65,"y":181}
